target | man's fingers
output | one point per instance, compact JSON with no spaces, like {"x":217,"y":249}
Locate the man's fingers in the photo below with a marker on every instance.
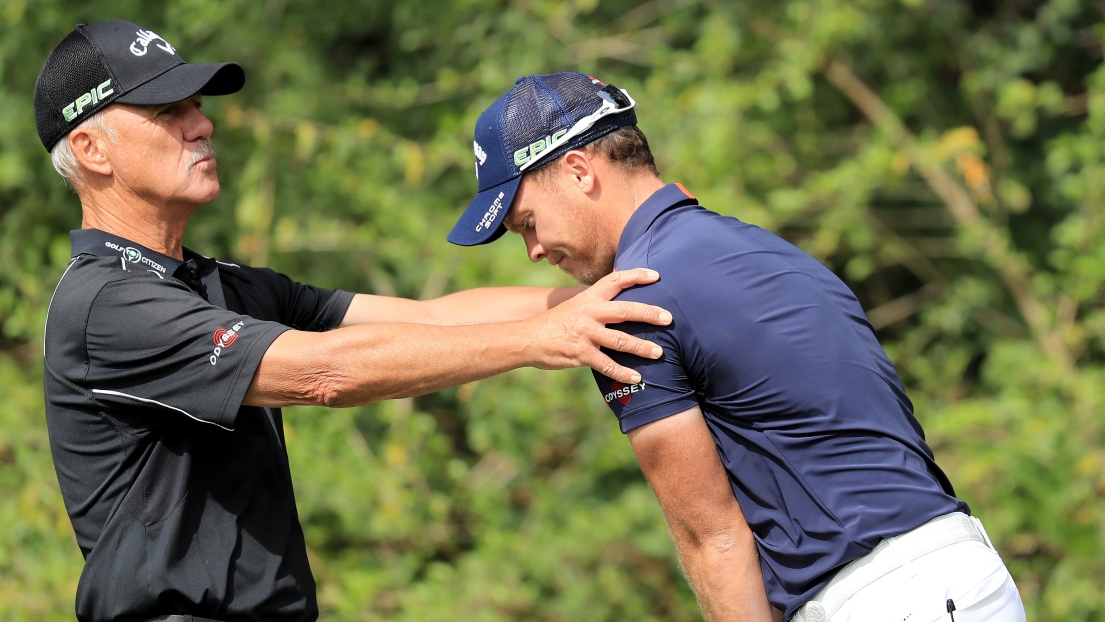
{"x":617,"y":340}
{"x":628,"y":311}
{"x":610,"y":285}
{"x":607,"y":367}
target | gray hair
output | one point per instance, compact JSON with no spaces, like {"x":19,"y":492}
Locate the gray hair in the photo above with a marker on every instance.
{"x":65,"y":163}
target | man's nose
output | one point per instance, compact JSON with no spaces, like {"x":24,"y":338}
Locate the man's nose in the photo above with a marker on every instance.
{"x":198,"y":126}
{"x":533,"y":247}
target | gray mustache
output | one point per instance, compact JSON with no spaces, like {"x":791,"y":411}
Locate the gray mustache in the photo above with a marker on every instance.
{"x":205,"y":149}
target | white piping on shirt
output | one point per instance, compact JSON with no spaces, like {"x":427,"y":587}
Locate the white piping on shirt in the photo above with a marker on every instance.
{"x":149,"y":401}
{"x":71,"y":262}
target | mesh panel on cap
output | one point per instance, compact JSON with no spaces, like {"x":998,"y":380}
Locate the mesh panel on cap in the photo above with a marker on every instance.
{"x":525,"y":116}
{"x":74,"y":68}
{"x":535,"y":110}
{"x":577,"y":91}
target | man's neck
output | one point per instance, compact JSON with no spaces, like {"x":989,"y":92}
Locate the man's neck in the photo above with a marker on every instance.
{"x":134,"y":220}
{"x":634,"y":190}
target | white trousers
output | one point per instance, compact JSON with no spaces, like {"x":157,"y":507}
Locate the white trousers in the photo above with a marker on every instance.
{"x":913,"y":576}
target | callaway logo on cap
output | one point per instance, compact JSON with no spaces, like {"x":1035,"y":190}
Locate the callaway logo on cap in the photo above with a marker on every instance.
{"x":534,"y":123}
{"x":117,"y":61}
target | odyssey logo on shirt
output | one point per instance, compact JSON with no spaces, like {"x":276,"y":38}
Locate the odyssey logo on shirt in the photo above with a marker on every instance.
{"x":623,"y":392}
{"x":224,"y":339}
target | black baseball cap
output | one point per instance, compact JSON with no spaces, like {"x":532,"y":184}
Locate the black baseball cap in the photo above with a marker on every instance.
{"x":537,"y":121}
{"x":116,"y":61}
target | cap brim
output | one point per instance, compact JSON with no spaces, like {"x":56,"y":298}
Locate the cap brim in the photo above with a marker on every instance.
{"x":482,"y":222}
{"x":184,"y":81}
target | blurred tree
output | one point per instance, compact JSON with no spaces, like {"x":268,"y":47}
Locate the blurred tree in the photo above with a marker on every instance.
{"x":946,"y":158}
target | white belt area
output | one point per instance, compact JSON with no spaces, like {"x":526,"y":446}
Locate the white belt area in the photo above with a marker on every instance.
{"x":891,"y":554}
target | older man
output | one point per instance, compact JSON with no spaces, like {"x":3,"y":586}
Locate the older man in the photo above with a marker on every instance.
{"x":165,"y":369}
{"x":773,"y":427}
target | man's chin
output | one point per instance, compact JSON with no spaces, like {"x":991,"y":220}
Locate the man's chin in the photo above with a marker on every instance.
{"x":213,"y":193}
{"x":583,"y":274}
{"x":588,"y":277}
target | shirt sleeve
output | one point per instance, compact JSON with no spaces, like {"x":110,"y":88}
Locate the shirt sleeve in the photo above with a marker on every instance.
{"x":156,"y":348}
{"x":305,"y":307}
{"x":666,"y":387}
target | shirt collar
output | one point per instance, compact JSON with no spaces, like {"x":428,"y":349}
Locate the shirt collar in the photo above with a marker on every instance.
{"x":661,"y":201}
{"x":103,"y":244}
{"x":199,"y":273}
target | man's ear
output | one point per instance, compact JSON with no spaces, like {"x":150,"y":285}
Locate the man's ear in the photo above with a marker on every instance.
{"x":92,"y":150}
{"x":579,"y":165}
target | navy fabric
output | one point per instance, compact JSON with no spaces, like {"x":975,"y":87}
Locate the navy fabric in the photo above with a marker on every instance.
{"x":180,"y":497}
{"x":518,"y":126}
{"x":809,"y":416}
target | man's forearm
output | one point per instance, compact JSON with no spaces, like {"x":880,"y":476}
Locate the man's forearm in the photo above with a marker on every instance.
{"x":725,"y":575}
{"x":362,"y":364}
{"x":474,"y":306}
{"x":498,"y":304}
{"x":716,"y":546}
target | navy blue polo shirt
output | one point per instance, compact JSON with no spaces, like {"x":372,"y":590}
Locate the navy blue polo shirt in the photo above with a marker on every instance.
{"x":180,"y":496}
{"x":808,"y":414}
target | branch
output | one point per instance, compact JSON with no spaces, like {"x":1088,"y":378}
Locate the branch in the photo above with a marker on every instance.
{"x":995,"y":247}
{"x":901,"y":308}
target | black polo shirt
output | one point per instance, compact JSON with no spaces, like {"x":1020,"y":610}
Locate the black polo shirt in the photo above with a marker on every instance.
{"x":180,"y":496}
{"x":808,"y":414}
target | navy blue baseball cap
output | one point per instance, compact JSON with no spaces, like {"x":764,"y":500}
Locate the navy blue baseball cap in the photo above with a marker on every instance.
{"x":534,"y":123}
{"x":117,"y":61}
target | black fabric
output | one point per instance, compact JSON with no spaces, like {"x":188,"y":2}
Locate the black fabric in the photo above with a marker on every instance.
{"x":185,"y":80}
{"x":73,"y":68}
{"x":119,"y":61}
{"x":180,"y":497}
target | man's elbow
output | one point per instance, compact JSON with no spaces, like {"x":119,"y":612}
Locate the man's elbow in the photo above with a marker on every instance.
{"x":320,"y":389}
{"x":333,"y":389}
{"x":310,"y":369}
{"x":325,"y":391}
{"x":718,"y":540}
{"x":729,"y":542}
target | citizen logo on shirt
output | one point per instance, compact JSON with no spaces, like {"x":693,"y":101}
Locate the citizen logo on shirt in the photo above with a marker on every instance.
{"x":623,"y":392}
{"x":223,"y":339}
{"x":134,"y":255}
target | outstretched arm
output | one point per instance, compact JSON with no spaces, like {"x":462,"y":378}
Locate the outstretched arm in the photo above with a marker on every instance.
{"x":473,"y":306}
{"x":369,"y":362}
{"x":716,"y":547}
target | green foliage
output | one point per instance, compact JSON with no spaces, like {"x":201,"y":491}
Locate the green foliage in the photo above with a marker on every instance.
{"x":946,"y":158}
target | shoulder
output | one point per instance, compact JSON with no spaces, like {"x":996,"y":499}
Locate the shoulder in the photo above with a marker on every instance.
{"x":87,"y":277}
{"x":686,"y":236}
{"x":105,"y":294}
{"x":241,"y":275}
{"x":686,"y":245}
